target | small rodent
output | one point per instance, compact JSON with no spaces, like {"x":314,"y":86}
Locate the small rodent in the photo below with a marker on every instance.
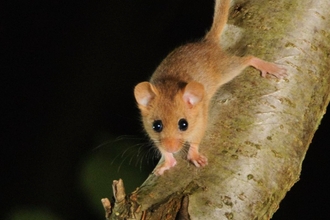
{"x":174,"y":103}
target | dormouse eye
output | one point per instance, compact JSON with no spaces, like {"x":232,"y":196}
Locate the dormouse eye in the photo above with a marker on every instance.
{"x":183,"y":124}
{"x":157,"y":126}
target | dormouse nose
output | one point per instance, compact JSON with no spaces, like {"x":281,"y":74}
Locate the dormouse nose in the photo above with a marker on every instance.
{"x":171,"y":145}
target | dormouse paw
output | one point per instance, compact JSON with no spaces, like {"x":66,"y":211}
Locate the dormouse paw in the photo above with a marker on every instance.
{"x":198,"y":160}
{"x":267,"y":68}
{"x":160,"y":169}
{"x":274,"y":70}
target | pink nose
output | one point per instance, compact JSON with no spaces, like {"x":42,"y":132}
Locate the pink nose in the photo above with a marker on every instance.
{"x":171,"y":145}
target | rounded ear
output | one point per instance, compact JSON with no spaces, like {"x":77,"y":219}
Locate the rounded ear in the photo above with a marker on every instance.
{"x":193,"y":93}
{"x":144,"y":92}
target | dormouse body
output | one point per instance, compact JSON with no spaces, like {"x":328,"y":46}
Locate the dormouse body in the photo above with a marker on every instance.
{"x":174,"y":103}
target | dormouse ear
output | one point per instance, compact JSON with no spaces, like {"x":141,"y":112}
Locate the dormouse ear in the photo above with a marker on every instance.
{"x":193,"y":93}
{"x":144,"y":92}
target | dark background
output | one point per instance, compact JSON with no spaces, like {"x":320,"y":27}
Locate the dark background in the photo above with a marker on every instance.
{"x":67,"y":74}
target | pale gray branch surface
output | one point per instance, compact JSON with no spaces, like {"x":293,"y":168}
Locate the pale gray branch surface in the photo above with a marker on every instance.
{"x":259,"y":129}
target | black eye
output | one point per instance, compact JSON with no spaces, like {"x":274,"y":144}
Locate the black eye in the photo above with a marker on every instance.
{"x":183,"y":124}
{"x":157,"y":126}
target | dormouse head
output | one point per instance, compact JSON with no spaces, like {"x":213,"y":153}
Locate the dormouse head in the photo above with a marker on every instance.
{"x":169,"y":113}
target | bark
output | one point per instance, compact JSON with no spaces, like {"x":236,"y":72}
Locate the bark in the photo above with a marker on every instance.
{"x":259,"y":129}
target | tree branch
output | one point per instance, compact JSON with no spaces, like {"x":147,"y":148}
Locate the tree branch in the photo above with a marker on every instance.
{"x":259,"y":129}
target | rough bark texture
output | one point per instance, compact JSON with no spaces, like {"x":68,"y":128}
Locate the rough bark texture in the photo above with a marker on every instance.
{"x":259,"y":129}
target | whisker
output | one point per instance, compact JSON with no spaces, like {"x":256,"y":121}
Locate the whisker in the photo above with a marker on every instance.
{"x":123,"y":153}
{"x":118,"y":139}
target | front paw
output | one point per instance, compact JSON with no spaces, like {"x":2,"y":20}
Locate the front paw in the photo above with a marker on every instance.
{"x":198,"y":160}
{"x":168,"y":163}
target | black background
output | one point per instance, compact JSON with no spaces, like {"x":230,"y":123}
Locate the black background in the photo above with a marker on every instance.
{"x":67,"y":74}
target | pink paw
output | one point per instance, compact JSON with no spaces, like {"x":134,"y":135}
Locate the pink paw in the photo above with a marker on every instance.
{"x":168,"y":163}
{"x":198,"y":160}
{"x":274,"y":70}
{"x":268,"y":68}
{"x":158,"y":171}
